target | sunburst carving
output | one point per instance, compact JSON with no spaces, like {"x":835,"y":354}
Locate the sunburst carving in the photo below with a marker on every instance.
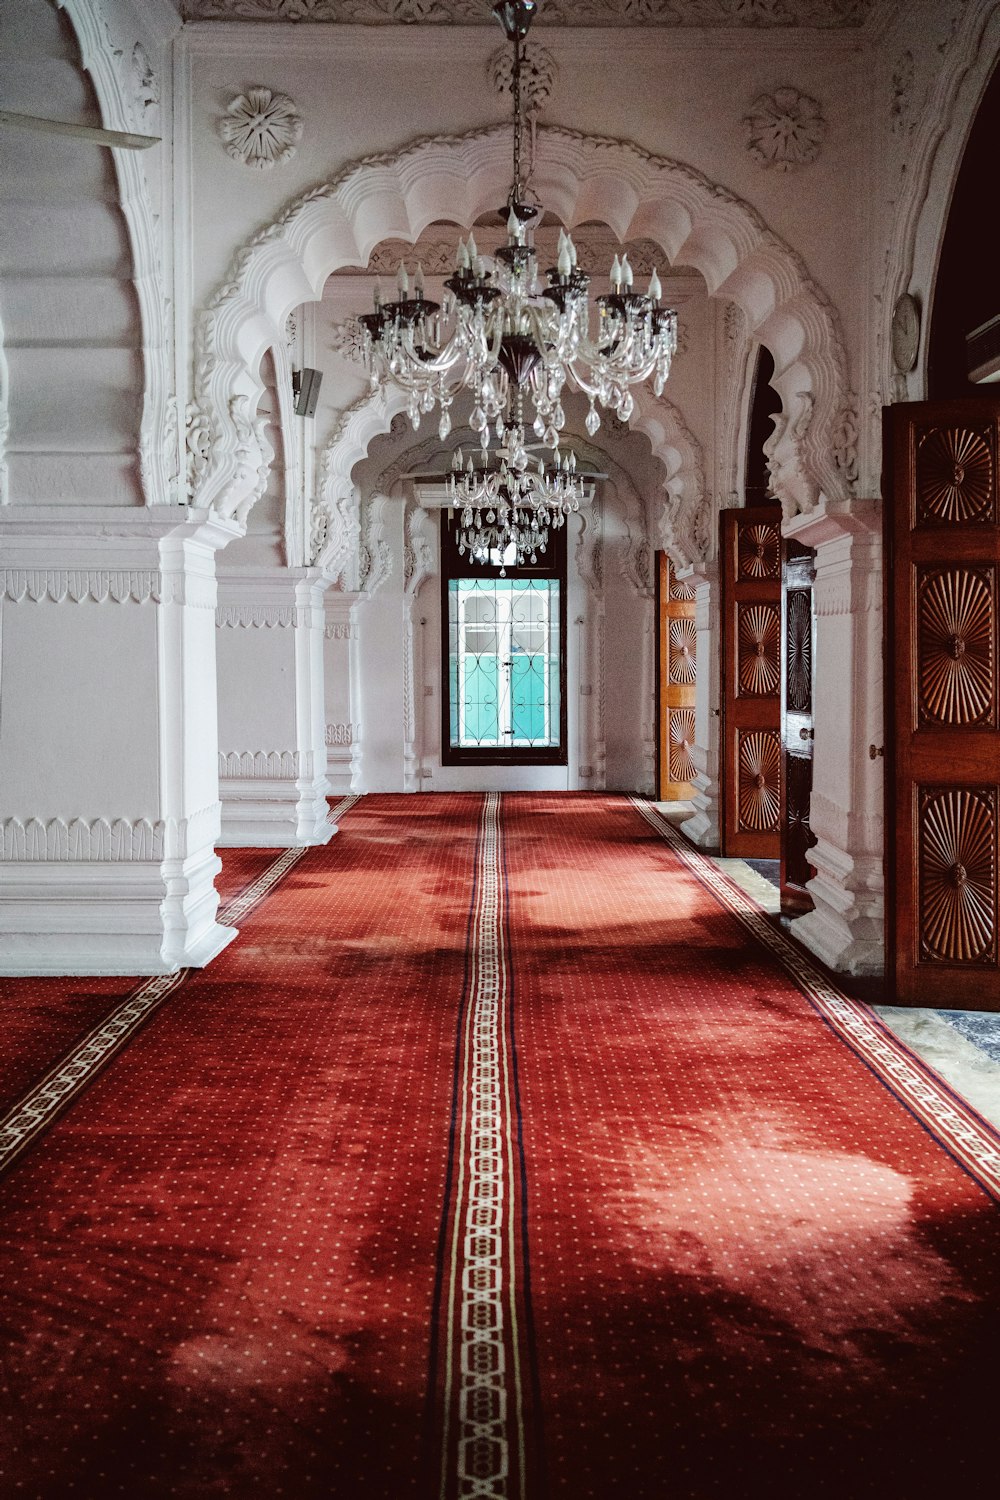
{"x":682,"y":767}
{"x":954,"y":475}
{"x":958,"y":896}
{"x":679,"y":589}
{"x":798,"y":664}
{"x":759,"y":780}
{"x":759,"y":552}
{"x":955,"y":645}
{"x":758,"y":647}
{"x":683,"y":640}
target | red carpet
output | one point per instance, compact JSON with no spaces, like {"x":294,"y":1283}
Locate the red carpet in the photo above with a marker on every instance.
{"x":41,"y":1018}
{"x":499,"y":1157}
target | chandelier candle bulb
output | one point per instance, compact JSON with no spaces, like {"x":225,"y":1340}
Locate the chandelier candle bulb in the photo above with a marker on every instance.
{"x":418,"y":282}
{"x":655,"y":290}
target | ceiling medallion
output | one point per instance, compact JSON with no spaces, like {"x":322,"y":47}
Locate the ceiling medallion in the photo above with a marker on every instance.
{"x":516,"y":346}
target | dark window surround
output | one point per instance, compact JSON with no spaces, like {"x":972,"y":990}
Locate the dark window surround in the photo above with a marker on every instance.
{"x":551,"y":565}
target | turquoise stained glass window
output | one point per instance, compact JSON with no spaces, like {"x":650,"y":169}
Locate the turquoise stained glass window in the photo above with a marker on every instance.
{"x":503,"y":658}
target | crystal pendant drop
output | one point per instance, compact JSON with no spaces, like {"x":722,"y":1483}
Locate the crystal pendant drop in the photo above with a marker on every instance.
{"x":592,"y":421}
{"x":444,"y":426}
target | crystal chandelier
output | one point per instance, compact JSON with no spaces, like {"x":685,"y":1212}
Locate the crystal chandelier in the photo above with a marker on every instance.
{"x":508,"y":508}
{"x":513,"y":344}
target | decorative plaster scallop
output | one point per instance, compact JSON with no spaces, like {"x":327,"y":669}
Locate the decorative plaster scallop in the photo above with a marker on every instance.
{"x":256,"y":765}
{"x":696,"y":221}
{"x":120,"y":586}
{"x":255,"y":616}
{"x":78,"y":839}
{"x":340,"y":734}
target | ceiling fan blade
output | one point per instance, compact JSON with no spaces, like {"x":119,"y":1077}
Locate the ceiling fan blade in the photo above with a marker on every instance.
{"x":95,"y":133}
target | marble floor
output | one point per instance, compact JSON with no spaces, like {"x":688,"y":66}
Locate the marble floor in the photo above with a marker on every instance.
{"x":963,"y":1046}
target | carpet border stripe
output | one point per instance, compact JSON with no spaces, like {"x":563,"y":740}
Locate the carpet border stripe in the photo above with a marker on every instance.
{"x":953,"y":1123}
{"x":37,"y":1110}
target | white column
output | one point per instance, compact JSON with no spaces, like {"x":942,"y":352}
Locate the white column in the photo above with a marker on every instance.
{"x":846,"y":929}
{"x":109,"y":807}
{"x":340,"y":667}
{"x":272,"y":725}
{"x":702,"y":828}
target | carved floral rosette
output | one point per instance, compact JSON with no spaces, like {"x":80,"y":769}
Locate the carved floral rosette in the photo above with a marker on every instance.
{"x":784,"y":130}
{"x":261,"y":128}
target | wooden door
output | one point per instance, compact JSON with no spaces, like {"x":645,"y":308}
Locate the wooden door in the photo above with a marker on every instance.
{"x":798,"y":655}
{"x":675,"y":676}
{"x":750,"y":601}
{"x":943,"y":739}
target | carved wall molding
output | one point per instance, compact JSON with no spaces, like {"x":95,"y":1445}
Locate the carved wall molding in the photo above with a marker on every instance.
{"x":100,"y":585}
{"x":701,"y":222}
{"x":261,"y":128}
{"x":538,"y":75}
{"x":346,"y":339}
{"x":145,"y":88}
{"x":731,"y":14}
{"x":257,"y":616}
{"x":784,"y":130}
{"x":341,"y":630}
{"x":420,"y":549}
{"x":335,"y":522}
{"x":258,"y":765}
{"x":590,"y":546}
{"x":375,"y":555}
{"x":341,"y":734}
{"x":107,"y":840}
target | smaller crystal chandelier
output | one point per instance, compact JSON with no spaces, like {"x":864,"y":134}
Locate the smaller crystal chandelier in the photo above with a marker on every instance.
{"x":508,"y":509}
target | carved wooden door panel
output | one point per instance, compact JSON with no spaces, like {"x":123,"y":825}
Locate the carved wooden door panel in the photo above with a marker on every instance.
{"x":797,"y":837}
{"x":676,"y":681}
{"x":943,"y":745}
{"x":750,"y":572}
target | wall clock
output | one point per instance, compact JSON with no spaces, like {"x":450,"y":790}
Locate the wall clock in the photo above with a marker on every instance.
{"x":905,"y":332}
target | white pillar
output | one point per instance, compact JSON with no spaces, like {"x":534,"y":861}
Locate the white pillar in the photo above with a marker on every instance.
{"x":846,"y":929}
{"x":272,"y":725}
{"x":109,"y":807}
{"x":702,"y":828}
{"x":340,"y":666}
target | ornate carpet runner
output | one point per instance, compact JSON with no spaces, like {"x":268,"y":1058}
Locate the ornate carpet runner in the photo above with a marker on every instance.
{"x":481,"y":1380}
{"x":282,"y":1242}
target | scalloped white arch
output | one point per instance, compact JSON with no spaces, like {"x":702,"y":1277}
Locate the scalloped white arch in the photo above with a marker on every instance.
{"x":683,"y":525}
{"x":159,"y":452}
{"x":579,"y":178}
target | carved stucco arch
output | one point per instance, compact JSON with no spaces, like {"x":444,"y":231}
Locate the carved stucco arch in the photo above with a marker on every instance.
{"x":580,"y":178}
{"x":934,"y":135}
{"x":683,"y":524}
{"x":159,"y":441}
